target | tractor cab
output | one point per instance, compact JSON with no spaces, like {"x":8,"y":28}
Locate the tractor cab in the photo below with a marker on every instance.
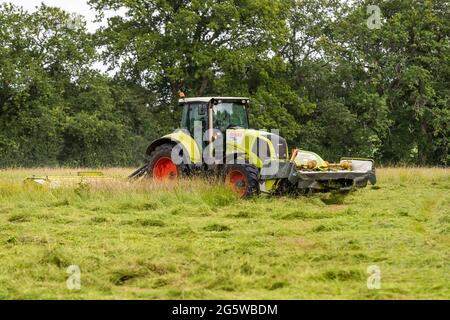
{"x":220,"y":113}
{"x":228,"y":117}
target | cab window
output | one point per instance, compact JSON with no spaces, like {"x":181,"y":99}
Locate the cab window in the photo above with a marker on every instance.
{"x":228,"y":115}
{"x":196,"y":112}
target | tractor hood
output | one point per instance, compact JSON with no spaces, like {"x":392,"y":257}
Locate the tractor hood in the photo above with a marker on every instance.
{"x":245,"y":139}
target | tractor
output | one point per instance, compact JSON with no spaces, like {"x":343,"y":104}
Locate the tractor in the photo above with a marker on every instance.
{"x":215,"y":139}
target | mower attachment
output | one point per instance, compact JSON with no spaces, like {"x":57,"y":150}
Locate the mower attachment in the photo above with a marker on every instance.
{"x":356,"y":176}
{"x":59,"y":181}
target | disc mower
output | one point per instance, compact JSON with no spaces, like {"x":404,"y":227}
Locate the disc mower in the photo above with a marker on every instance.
{"x":215,"y":138}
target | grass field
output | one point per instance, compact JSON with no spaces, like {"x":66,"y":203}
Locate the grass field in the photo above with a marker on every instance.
{"x":194,"y":240}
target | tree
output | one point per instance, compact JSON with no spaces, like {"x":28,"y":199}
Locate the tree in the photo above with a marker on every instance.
{"x":316,"y":70}
{"x":405,"y":63}
{"x":203,"y":48}
{"x":39,"y":55}
{"x":55,"y":108}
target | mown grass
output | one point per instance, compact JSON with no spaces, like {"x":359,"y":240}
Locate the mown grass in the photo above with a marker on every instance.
{"x":194,"y":240}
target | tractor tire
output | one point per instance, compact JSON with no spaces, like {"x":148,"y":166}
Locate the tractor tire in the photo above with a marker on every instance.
{"x":161,"y":166}
{"x":243,"y":178}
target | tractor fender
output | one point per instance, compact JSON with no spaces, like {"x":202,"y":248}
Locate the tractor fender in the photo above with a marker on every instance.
{"x":183,"y":139}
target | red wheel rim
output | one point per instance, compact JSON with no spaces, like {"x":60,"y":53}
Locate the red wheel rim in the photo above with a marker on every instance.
{"x":164,"y":168}
{"x":238,"y":181}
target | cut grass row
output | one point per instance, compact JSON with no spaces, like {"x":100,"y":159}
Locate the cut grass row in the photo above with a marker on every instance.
{"x":194,"y":240}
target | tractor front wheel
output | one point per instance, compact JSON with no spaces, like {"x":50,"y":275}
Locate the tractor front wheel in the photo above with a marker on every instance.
{"x":160,"y":164}
{"x":243,"y":179}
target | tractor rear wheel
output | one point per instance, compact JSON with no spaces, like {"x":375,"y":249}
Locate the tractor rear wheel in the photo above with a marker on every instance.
{"x":243,"y":179}
{"x":160,"y":164}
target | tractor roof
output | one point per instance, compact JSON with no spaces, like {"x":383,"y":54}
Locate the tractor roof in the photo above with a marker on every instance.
{"x":208,"y":99}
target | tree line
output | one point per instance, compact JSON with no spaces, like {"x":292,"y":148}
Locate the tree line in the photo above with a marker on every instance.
{"x":361,"y":78}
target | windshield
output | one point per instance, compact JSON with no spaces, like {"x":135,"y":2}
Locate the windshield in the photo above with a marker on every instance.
{"x":228,"y":115}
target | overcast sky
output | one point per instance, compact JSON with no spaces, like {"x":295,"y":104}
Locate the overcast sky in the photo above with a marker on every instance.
{"x":75,"y":6}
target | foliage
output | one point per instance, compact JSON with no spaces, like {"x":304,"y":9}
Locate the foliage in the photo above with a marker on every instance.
{"x":313,"y":69}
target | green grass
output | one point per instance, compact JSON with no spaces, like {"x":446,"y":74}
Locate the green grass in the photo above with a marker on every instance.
{"x":194,"y":240}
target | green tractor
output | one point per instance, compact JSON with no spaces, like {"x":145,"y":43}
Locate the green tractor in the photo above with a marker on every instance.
{"x":215,"y":138}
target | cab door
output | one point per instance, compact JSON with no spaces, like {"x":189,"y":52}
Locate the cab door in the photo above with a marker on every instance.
{"x":197,"y":120}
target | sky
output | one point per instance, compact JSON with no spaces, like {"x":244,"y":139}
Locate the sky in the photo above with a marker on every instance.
{"x":73,"y":6}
